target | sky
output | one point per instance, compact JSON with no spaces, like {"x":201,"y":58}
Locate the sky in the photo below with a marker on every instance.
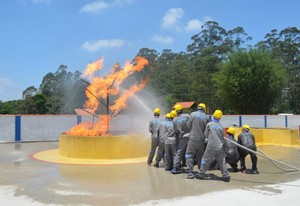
{"x":37,"y":36}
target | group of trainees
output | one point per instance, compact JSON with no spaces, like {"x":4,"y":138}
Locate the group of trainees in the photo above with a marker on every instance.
{"x":185,"y":140}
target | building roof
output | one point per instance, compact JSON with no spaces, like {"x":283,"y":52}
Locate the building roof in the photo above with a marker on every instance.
{"x":186,"y":105}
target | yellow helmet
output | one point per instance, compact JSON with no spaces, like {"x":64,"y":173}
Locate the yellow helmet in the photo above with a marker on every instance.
{"x":230,"y":130}
{"x":168,"y":115}
{"x":156,"y":111}
{"x":218,"y":114}
{"x":246,"y":126}
{"x":203,"y":106}
{"x":178,"y":107}
{"x":173,"y":114}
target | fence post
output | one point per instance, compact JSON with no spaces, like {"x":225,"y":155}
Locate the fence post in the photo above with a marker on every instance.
{"x":240,"y":120}
{"x":78,"y":119}
{"x":286,"y":120}
{"x":17,"y":128}
{"x":265,"y":117}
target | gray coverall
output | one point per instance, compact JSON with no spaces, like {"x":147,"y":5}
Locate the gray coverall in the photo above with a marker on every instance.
{"x":183,"y":133}
{"x":214,"y":133}
{"x":153,"y":129}
{"x":247,"y":140}
{"x":170,"y":144}
{"x":195,"y":148}
{"x":161,"y":145}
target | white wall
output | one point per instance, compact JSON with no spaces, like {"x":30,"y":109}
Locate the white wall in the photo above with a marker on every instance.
{"x":50,"y":127}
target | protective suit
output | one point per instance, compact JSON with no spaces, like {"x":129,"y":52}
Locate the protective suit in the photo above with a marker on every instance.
{"x":183,"y":133}
{"x":232,"y":155}
{"x":195,"y":148}
{"x":170,"y":144}
{"x":153,"y":129}
{"x":161,"y":145}
{"x":214,"y":133}
{"x":247,"y":139}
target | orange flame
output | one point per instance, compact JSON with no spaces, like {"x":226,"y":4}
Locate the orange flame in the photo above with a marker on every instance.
{"x":101,"y":88}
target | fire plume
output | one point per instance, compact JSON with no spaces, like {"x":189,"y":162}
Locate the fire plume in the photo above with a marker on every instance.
{"x":99,"y":91}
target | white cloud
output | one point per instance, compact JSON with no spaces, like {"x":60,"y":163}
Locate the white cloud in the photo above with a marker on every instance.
{"x":95,"y":6}
{"x":102,"y":43}
{"x":163,"y":39}
{"x":194,"y":25}
{"x":171,"y":19}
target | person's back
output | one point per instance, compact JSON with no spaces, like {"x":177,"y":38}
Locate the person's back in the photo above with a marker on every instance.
{"x":180,"y":123}
{"x":231,"y":149}
{"x":154,"y":126}
{"x":170,"y":134}
{"x":197,"y":124}
{"x":247,"y":139}
{"x":162,"y":130}
{"x":214,"y":133}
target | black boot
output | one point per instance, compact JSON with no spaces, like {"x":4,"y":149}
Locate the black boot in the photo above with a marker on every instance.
{"x":200,"y":176}
{"x":190,"y":175}
{"x":226,"y":178}
{"x":156,"y":165}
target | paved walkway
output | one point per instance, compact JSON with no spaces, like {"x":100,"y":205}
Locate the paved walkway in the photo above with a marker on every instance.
{"x":26,"y":181}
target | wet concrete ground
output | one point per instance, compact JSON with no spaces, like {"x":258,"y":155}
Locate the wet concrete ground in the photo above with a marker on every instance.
{"x":42,"y":183}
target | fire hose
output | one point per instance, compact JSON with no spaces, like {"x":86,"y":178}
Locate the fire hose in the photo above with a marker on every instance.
{"x":262,"y":154}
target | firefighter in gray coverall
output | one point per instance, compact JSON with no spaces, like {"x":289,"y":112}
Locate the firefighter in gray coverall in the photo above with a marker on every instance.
{"x":153,"y":129}
{"x":195,"y":148}
{"x":170,"y":141}
{"x":161,"y":145}
{"x":247,"y":139}
{"x":214,"y":132}
{"x":183,"y":134}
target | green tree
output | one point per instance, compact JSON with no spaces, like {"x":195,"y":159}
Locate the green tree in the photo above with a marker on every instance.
{"x":285,"y":47}
{"x":250,"y":81}
{"x":36,"y":104}
{"x":63,"y":91}
{"x":10,"y":107}
{"x":29,"y":92}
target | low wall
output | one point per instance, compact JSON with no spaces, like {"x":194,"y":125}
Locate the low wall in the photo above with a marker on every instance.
{"x":104,"y":147}
{"x":280,"y":136}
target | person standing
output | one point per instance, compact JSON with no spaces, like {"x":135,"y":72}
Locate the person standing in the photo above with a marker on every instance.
{"x":162,"y":136}
{"x":195,"y":148}
{"x":246,"y":139}
{"x":232,"y":155}
{"x":183,"y":134}
{"x":153,"y":129}
{"x":214,"y":132}
{"x":170,"y":141}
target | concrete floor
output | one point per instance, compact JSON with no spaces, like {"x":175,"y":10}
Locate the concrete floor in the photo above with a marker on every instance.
{"x":30,"y":182}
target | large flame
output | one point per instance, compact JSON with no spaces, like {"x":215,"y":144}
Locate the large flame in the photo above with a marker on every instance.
{"x":101,"y":88}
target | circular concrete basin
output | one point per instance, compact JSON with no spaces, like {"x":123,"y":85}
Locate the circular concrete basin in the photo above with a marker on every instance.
{"x":103,"y":147}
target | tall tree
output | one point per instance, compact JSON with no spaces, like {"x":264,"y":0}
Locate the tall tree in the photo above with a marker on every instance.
{"x":285,"y":47}
{"x":250,"y":81}
{"x":29,"y":92}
